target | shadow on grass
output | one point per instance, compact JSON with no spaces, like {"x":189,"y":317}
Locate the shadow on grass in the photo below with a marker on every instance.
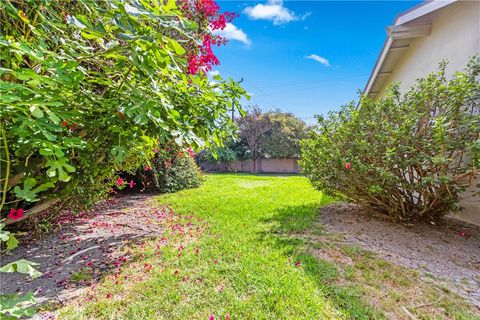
{"x":295,"y":230}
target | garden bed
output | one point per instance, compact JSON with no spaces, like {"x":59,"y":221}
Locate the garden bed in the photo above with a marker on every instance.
{"x":88,"y":245}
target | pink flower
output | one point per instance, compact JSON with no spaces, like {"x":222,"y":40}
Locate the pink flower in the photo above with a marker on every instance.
{"x":215,"y":261}
{"x":211,"y":317}
{"x":131,"y":184}
{"x":15,"y":214}
{"x":120,"y":182}
{"x":155,"y":150}
{"x":462,"y":233}
{"x":347,"y":166}
{"x":147,"y":267}
{"x":147,"y":168}
{"x":191,"y":152}
{"x":227,"y":316}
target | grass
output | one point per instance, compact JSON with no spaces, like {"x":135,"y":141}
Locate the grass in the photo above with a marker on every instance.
{"x":249,"y":247}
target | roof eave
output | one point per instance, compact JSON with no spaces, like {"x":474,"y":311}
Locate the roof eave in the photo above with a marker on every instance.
{"x":402,"y":19}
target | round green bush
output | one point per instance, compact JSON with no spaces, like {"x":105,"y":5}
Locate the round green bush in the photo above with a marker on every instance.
{"x":407,"y":156}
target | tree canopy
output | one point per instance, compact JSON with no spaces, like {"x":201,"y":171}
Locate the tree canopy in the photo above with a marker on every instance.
{"x":88,"y":88}
{"x":273,"y":134}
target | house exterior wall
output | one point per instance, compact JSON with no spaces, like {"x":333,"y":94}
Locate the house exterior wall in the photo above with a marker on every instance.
{"x":455,"y":36}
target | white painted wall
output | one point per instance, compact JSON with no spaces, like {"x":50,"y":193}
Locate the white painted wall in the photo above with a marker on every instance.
{"x":455,"y":36}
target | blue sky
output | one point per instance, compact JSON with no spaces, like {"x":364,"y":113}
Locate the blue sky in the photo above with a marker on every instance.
{"x":305,"y":57}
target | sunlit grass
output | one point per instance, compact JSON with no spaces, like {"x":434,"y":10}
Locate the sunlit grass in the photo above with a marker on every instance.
{"x":248,"y":251}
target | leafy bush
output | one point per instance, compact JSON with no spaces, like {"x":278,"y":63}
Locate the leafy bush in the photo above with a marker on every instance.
{"x":181,"y":172}
{"x":87,"y":88}
{"x":172,"y":169}
{"x":407,"y":156}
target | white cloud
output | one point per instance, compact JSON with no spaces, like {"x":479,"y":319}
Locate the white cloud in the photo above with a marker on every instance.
{"x":231,"y":32}
{"x":317,"y":58}
{"x":274,"y":11}
{"x":213,"y":73}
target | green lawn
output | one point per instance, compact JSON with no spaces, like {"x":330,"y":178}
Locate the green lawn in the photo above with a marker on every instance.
{"x":243,"y":253}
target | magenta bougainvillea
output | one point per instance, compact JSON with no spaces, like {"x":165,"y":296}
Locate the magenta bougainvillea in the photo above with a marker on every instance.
{"x":207,"y":12}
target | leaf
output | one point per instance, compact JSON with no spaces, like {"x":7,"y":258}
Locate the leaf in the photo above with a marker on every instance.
{"x":16,"y":305}
{"x":4,"y":235}
{"x":119,"y":152}
{"x":22,"y":16}
{"x":22,"y":266}
{"x":28,"y":193}
{"x":12,"y":242}
{"x":175,"y":46}
{"x":74,"y":21}
{"x":36,"y":111}
{"x":60,"y":167}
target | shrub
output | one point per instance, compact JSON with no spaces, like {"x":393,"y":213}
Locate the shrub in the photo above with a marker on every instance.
{"x":174,"y":170}
{"x":408,"y":156}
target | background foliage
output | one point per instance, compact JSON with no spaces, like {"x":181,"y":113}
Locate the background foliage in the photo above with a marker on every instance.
{"x":273,"y":134}
{"x":407,"y":156}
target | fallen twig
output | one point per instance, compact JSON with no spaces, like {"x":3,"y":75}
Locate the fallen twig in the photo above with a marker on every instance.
{"x":427,"y":304}
{"x":409,"y":314}
{"x":79,"y":253}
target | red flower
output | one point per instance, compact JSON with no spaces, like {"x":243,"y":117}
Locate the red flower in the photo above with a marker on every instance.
{"x":147,"y":168}
{"x":298,"y":264}
{"x":131,"y":184}
{"x":64,"y":123}
{"x":227,"y":316}
{"x":215,"y":261}
{"x":347,"y":166}
{"x":15,"y":214}
{"x":462,"y":233}
{"x":120,"y":182}
{"x":108,"y":296}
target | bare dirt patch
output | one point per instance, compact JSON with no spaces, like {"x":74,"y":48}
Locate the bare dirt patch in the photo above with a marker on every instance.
{"x":449,"y":252}
{"x":90,"y":244}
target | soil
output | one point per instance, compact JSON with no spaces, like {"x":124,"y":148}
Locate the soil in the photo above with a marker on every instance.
{"x":89,"y":244}
{"x":449,"y":251}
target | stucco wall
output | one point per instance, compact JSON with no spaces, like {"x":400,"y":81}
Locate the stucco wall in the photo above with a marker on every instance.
{"x":263,"y":165}
{"x":455,"y":36}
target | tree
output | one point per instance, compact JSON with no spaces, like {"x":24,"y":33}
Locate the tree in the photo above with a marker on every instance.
{"x":283,"y":138}
{"x":252,"y":126}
